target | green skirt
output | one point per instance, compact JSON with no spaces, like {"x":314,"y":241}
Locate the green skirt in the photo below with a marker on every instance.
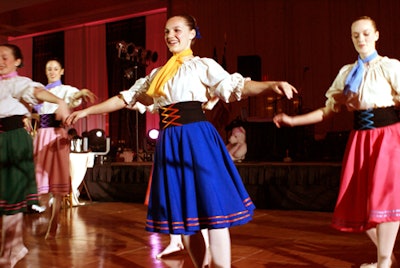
{"x":17,"y":172}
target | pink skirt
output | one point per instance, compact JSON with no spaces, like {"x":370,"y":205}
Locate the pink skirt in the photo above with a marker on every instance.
{"x":369,"y":193}
{"x":51,"y":156}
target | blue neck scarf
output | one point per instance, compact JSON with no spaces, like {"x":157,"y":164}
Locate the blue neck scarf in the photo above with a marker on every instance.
{"x":354,"y":79}
{"x":54,"y":84}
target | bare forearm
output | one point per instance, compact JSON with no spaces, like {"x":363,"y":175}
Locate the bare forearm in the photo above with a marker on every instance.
{"x":43,"y":95}
{"x":313,"y":117}
{"x":253,"y":88}
{"x":113,"y":104}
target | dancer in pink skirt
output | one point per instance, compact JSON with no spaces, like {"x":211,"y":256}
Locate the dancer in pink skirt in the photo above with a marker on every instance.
{"x":369,"y":199}
{"x":52,"y":144}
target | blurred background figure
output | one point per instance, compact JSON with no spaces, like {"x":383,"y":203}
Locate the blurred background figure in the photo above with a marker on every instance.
{"x":52,"y":144}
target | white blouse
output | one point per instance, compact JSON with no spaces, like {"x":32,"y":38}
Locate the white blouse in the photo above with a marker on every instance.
{"x":64,"y":92}
{"x":15,"y":90}
{"x":379,"y":88}
{"x":198,"y":79}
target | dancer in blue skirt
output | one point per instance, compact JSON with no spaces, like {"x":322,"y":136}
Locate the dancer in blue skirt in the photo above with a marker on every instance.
{"x":195,"y":184}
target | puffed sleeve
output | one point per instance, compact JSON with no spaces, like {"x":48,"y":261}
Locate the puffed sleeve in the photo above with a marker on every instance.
{"x":141,"y":85}
{"x":225,"y":86}
{"x":391,"y":70}
{"x":334,"y":95}
{"x":24,"y":89}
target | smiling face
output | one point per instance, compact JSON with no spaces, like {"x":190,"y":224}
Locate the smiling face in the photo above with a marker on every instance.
{"x":54,"y":71}
{"x":364,"y":36}
{"x":8,"y":62}
{"x":178,"y":35}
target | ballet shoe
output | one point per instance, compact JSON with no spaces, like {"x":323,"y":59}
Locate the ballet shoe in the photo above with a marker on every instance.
{"x":375,"y":265}
{"x":171,"y":248}
{"x":38,"y":209}
{"x":78,"y":204}
{"x":15,"y":258}
{"x":369,"y":265}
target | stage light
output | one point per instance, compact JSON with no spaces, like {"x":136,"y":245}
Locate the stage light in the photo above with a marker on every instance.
{"x":97,"y":141}
{"x":98,"y":144}
{"x":137,"y":54}
{"x":150,"y":144}
{"x":153,"y":134}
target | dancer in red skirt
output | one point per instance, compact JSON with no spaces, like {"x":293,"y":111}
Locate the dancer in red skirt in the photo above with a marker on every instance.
{"x":369,"y":199}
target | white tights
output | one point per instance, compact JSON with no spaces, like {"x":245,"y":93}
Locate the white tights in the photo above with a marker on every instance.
{"x":219,"y":248}
{"x":384,"y":238}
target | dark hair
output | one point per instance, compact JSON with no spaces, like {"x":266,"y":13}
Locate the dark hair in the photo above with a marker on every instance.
{"x":191,"y":23}
{"x":57,"y":60}
{"x":367,"y":18}
{"x":16,"y":51}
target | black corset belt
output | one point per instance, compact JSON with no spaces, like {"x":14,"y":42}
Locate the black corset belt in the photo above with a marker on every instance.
{"x":178,"y":114}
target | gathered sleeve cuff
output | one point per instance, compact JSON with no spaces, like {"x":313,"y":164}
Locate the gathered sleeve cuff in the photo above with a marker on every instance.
{"x":130,"y":96}
{"x":222,"y":85}
{"x":230,"y":89}
{"x":335,"y":97}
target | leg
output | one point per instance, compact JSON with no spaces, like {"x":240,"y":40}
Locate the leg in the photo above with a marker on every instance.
{"x":55,"y":212}
{"x":372,"y":234}
{"x":195,"y":245}
{"x":13,"y":248}
{"x":18,"y":250}
{"x":207,"y":258}
{"x":220,"y":247}
{"x":204,"y":232}
{"x":386,"y":237}
{"x":175,"y":245}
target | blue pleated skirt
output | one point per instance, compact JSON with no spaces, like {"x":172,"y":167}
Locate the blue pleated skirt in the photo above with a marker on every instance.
{"x":195,"y":184}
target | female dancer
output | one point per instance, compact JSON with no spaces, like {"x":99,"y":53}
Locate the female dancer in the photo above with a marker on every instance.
{"x":52,"y":145}
{"x":17,"y":176}
{"x":195,"y":184}
{"x":369,"y":199}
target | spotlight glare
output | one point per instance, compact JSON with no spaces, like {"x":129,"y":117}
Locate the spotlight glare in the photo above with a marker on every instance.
{"x":153,"y":134}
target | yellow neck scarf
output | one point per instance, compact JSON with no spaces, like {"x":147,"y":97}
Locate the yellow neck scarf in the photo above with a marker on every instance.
{"x":166,"y":73}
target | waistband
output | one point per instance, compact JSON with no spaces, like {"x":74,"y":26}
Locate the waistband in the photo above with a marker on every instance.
{"x":49,"y":120}
{"x":11,"y":123}
{"x":375,"y":118}
{"x":178,"y":114}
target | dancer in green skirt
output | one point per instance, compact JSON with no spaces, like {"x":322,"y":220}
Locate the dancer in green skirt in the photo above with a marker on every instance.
{"x":17,"y":176}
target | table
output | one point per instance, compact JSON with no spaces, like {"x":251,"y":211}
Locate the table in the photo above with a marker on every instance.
{"x":78,"y":164}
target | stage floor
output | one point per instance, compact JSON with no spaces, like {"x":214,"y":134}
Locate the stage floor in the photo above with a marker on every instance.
{"x":111,"y":234}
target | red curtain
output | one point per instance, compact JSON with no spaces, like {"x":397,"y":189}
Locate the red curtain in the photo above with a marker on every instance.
{"x":155,"y":42}
{"x":85,"y":63}
{"x":25,"y":45}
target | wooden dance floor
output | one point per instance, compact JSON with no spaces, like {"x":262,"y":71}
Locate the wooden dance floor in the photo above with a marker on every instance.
{"x":111,"y":234}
